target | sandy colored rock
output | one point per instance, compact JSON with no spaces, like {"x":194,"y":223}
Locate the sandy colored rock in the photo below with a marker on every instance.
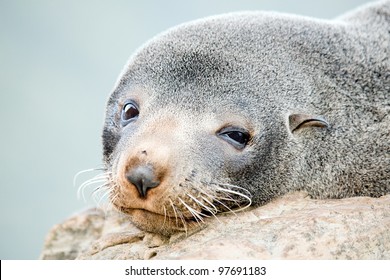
{"x":291,"y":227}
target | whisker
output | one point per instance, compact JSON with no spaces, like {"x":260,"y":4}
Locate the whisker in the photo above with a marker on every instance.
{"x":228,"y":198}
{"x":114,"y":197}
{"x":224,"y":205}
{"x":165,"y":217}
{"x":90,"y":182}
{"x":237,"y":187}
{"x":183,"y":221}
{"x":229,"y":191}
{"x":195,"y":214}
{"x":104,"y":195}
{"x":209,"y":202}
{"x":205,"y":207}
{"x":100,"y":180}
{"x":174,"y":211}
{"x":85,"y":171}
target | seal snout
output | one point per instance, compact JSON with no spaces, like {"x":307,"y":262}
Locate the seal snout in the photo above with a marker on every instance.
{"x":143,"y":177}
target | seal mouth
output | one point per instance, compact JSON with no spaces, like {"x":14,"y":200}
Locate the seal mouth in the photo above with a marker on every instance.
{"x":161,"y":223}
{"x":131,"y":211}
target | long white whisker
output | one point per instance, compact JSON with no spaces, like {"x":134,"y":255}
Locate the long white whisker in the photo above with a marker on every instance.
{"x":238,"y":194}
{"x":174,"y":211}
{"x":104,"y":195}
{"x":224,"y":205}
{"x":236,"y":187}
{"x":208,"y":201}
{"x":101,"y":180}
{"x":196,"y":214}
{"x":92,"y":181}
{"x":85,"y":171}
{"x":81,"y":190}
{"x":183,"y":221}
{"x":202,"y":204}
{"x":230,"y":191}
{"x":113,"y":200}
{"x":206,"y":207}
{"x":165,"y":217}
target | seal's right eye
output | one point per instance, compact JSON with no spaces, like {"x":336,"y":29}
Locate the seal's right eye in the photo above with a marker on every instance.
{"x":129,"y":112}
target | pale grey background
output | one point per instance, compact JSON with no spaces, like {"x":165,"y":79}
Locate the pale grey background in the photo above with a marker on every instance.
{"x":58,"y":62}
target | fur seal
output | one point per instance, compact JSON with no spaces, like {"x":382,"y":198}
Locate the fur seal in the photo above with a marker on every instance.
{"x":234,"y":110}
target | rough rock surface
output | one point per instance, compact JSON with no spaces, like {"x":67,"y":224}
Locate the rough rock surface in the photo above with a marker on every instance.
{"x":291,"y":227}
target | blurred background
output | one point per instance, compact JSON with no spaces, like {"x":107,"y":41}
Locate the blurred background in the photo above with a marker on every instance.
{"x":58,"y":63}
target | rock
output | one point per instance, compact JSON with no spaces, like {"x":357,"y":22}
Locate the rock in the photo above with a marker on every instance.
{"x":291,"y":227}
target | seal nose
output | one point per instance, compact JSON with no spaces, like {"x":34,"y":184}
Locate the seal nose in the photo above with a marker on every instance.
{"x":143,"y":178}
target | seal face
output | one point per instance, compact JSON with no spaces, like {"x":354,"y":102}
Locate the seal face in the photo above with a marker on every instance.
{"x":230,"y":111}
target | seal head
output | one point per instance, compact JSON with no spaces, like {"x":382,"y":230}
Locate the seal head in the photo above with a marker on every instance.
{"x":234,"y":110}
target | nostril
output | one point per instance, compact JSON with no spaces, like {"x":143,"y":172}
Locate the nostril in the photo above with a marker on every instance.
{"x":143,"y":178}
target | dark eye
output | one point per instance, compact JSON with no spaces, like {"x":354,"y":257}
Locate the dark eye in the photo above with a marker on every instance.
{"x":237,"y":137}
{"x":129,"y":112}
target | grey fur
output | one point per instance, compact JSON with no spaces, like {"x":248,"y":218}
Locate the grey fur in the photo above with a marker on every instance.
{"x":264,"y":67}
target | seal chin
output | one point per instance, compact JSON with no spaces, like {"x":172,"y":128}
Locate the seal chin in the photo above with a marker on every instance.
{"x":158,"y":223}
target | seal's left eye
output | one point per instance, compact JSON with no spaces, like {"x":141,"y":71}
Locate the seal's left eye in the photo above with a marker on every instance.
{"x":129,"y":112}
{"x":237,"y":137}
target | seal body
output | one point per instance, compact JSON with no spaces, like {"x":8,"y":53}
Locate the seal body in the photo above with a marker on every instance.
{"x":232,"y":110}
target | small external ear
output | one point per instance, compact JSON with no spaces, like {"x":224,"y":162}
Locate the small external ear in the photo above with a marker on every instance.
{"x":298,"y":121}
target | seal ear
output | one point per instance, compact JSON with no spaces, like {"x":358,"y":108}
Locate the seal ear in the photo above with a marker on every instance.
{"x":298,"y":121}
